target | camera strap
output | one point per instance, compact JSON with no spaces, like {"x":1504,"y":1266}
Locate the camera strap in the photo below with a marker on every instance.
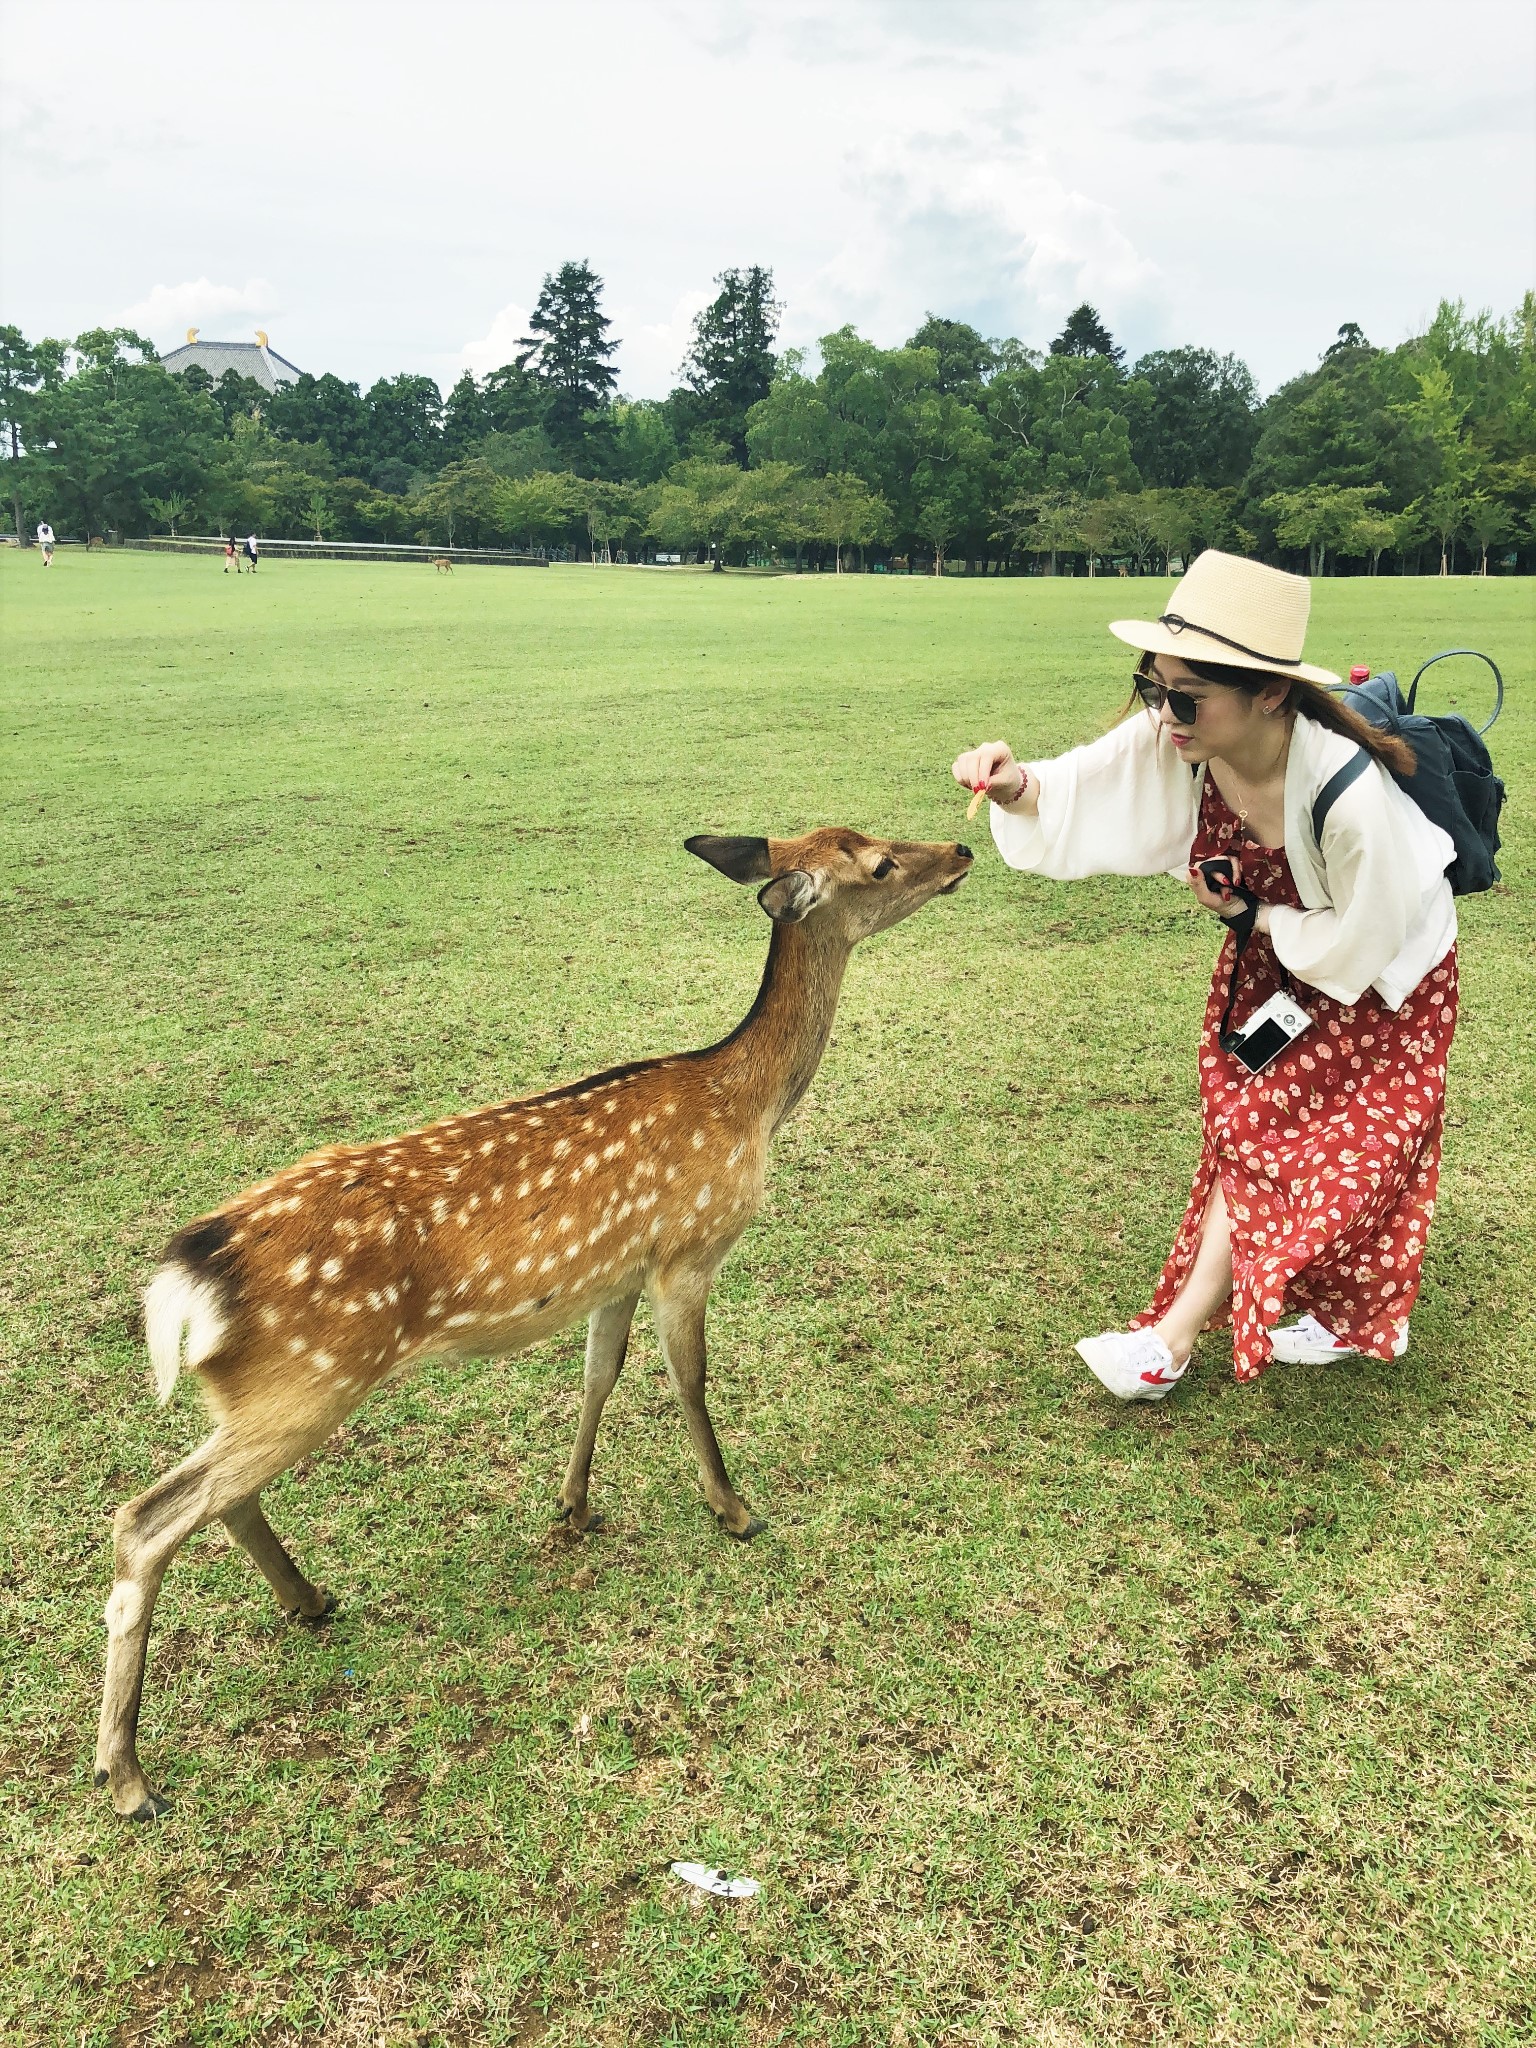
{"x":1241,"y":928}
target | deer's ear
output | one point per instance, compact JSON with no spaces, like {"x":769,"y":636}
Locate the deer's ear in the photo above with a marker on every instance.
{"x":790,"y":897}
{"x":743,"y":860}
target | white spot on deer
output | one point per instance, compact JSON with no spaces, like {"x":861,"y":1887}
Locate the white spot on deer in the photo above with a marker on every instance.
{"x":561,"y":1147}
{"x":434,"y":1310}
{"x":573,"y":1251}
{"x":295,"y":1345}
{"x":298,"y":1272}
{"x":488,"y":1146}
{"x":421,"y":1229}
{"x":701,"y":1199}
{"x":451,"y":1173}
{"x":523,"y":1187}
{"x":392,"y":1293}
{"x":458,"y":1322}
{"x":546,"y":1176}
{"x":613,"y":1150}
{"x":330,"y":1269}
{"x":496,"y":1194}
{"x":387,"y":1229}
{"x":495,"y":1284}
{"x":564,"y":1223}
{"x":635,"y":1126}
{"x":323,"y":1360}
{"x":269,"y":1317}
{"x":671,"y":1173}
{"x":669,"y":1109}
{"x":734,"y":1155}
{"x":439,"y":1209}
{"x":547,"y":1265}
{"x":351,"y":1308}
{"x":125,"y":1604}
{"x":522,"y":1265}
{"x":698,"y":1141}
{"x":589,"y":1162}
{"x":375,"y":1299}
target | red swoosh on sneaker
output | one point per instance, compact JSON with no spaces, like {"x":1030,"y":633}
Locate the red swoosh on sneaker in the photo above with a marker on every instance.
{"x":1159,"y":1378}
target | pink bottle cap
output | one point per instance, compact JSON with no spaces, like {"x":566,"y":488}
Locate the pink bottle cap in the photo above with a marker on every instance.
{"x":1359,"y":675}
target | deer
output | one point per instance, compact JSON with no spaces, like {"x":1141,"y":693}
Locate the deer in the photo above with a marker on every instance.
{"x":442,"y":565}
{"x":483,"y":1234}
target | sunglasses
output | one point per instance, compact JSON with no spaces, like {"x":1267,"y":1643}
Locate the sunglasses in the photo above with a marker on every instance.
{"x":1155,"y":695}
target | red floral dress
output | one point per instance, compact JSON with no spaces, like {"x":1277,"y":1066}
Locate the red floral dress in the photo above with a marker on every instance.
{"x":1330,"y":1158}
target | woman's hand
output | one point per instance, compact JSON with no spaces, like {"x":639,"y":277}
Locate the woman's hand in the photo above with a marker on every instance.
{"x":1223,"y":901}
{"x":991,"y":768}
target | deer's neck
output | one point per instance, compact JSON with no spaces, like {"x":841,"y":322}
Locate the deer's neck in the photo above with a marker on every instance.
{"x":775,"y":1052}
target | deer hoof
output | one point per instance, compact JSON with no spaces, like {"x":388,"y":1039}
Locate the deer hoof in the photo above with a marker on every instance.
{"x":322,"y":1614}
{"x":593,"y":1522}
{"x":755,"y":1527}
{"x":150,"y":1807}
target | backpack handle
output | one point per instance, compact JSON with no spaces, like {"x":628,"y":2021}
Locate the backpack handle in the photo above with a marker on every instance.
{"x":1498,"y":704}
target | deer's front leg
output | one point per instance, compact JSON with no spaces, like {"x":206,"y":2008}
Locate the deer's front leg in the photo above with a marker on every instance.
{"x":607,"y":1341}
{"x":678,"y":1300}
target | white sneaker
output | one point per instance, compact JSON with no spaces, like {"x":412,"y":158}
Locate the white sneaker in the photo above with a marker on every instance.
{"x":1135,"y":1365}
{"x":1308,"y":1342}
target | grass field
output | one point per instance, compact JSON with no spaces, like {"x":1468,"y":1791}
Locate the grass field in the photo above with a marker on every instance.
{"x":1040,"y":1720}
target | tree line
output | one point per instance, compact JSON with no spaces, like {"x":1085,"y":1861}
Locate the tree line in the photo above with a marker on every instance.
{"x":950,"y":448}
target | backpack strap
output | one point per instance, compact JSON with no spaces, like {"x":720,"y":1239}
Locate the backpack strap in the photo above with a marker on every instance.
{"x":1334,"y":788}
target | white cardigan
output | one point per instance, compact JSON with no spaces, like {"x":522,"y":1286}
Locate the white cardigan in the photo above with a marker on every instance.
{"x":1379,"y":910}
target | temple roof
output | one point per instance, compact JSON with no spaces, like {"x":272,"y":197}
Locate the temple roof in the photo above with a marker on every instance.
{"x":255,"y":359}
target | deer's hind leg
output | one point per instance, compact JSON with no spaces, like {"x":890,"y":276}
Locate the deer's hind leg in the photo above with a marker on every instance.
{"x":250,"y":1528}
{"x":225,"y":1471}
{"x":607,"y":1342}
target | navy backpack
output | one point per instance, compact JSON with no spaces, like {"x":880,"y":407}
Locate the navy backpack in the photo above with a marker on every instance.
{"x":1455,"y":786}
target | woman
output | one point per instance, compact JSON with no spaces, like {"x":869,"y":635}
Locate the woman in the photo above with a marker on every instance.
{"x":1317,"y":1175}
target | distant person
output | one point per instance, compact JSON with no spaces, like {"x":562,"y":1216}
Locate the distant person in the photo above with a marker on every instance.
{"x":45,"y":542}
{"x":251,"y":551}
{"x":231,"y":559}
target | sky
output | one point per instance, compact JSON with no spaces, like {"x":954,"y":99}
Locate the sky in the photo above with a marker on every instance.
{"x":382,"y":186}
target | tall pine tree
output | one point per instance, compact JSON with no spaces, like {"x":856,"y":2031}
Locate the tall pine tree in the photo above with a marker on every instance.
{"x":569,"y":351}
{"x":1086,"y":335}
{"x":730,"y":365}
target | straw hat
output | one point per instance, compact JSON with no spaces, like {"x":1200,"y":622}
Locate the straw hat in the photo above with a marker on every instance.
{"x":1228,"y":609}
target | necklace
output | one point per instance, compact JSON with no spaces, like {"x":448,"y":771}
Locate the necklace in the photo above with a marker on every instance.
{"x":1243,"y":804}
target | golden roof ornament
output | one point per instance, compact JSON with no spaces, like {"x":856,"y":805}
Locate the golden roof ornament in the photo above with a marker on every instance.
{"x":261,"y":336}
{"x":191,"y":334}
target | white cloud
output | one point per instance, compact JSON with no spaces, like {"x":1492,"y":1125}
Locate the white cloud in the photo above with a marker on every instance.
{"x":500,"y":343}
{"x":199,"y":301}
{"x":651,"y":351}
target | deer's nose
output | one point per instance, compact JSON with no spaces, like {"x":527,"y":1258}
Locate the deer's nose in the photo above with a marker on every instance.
{"x":964,"y":852}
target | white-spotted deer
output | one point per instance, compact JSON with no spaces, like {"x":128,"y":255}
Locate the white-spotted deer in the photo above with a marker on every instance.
{"x":484,"y":1234}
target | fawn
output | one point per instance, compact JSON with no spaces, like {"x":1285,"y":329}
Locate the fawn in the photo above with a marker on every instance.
{"x":442,"y":565}
{"x":484,"y":1234}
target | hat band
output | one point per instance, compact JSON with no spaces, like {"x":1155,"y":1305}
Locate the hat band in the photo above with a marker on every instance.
{"x":1177,"y":625}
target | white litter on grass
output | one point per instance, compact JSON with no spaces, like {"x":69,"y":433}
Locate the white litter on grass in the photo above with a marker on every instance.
{"x":723,"y":1883}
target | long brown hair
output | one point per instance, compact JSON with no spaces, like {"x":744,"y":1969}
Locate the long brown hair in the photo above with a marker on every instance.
{"x":1310,"y":700}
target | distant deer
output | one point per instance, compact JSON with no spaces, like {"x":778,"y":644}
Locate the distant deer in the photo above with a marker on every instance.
{"x":484,"y":1234}
{"x":95,"y":540}
{"x":442,"y":565}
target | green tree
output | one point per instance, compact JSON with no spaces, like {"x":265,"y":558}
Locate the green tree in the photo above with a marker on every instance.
{"x":119,"y":432}
{"x":842,"y":510}
{"x":1086,"y":335}
{"x":405,"y":422}
{"x":644,"y":446}
{"x":323,"y":409}
{"x":964,"y":358}
{"x":1487,"y":522}
{"x":544,"y":509}
{"x":169,"y":510}
{"x":1438,"y":413}
{"x":569,"y":352}
{"x":1199,"y":421}
{"x":465,"y":501}
{"x":1319,"y":517}
{"x":729,"y":366}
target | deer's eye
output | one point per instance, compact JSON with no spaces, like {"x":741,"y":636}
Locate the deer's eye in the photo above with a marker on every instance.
{"x":883,"y":867}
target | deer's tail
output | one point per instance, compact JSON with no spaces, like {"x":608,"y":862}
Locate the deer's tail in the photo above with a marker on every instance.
{"x":183,"y":1321}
